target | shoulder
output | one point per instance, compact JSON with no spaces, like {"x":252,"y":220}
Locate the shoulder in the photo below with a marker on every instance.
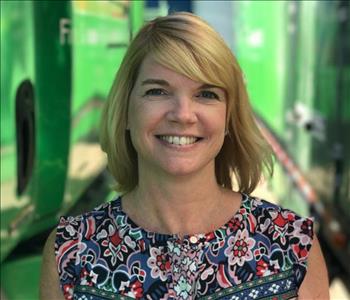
{"x":49,"y":279}
{"x":75,"y":234}
{"x":48,"y":252}
{"x":257,"y":204}
{"x":73,"y":230}
{"x":70,"y":227}
{"x":269,"y":215}
{"x":275,"y":219}
{"x":291,"y":235}
{"x":104,"y":210}
{"x":280,"y":229}
{"x":316,"y":276}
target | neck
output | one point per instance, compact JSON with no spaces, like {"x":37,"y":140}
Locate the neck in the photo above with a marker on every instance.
{"x":181,"y":205}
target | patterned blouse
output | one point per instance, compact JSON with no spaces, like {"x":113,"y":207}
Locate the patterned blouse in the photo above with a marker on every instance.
{"x":260,"y":253}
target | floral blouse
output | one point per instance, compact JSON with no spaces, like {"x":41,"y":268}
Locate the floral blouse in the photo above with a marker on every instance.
{"x":260,"y":253}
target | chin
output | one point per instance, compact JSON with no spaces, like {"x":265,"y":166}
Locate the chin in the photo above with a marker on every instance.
{"x":180,"y":172}
{"x":183,"y":169}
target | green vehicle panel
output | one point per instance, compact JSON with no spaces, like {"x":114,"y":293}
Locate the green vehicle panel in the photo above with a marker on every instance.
{"x":295,"y":55}
{"x":59,"y":59}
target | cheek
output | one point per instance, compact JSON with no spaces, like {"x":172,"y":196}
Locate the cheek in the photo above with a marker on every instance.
{"x":216,"y":126}
{"x":135,"y":114}
{"x":139,"y":118}
{"x":143,"y":119}
{"x":216,"y":121}
{"x":133,"y":124}
{"x":135,"y":127}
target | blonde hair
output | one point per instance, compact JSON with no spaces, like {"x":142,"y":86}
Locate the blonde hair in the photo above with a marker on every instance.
{"x":186,"y":44}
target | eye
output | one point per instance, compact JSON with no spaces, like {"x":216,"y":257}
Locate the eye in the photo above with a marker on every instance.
{"x":155,"y":92}
{"x":208,"y":95}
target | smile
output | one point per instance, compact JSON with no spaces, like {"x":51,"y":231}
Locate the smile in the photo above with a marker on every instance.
{"x":179,"y":140}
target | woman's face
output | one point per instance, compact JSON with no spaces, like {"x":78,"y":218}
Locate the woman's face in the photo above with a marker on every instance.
{"x":177,"y":125}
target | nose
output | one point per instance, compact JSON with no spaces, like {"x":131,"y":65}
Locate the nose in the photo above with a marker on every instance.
{"x":183,"y":111}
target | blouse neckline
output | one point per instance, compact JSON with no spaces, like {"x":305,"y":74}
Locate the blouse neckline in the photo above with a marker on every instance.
{"x":197,"y":238}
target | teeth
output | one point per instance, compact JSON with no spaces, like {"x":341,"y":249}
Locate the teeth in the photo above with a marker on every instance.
{"x":179,"y":140}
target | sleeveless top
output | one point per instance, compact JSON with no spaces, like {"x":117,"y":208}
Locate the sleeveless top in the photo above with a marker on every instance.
{"x":260,"y":253}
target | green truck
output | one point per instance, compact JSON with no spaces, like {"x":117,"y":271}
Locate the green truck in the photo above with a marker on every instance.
{"x":58,"y":61}
{"x":296,"y":59}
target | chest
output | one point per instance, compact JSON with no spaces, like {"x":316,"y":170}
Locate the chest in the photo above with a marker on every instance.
{"x":237,"y":268}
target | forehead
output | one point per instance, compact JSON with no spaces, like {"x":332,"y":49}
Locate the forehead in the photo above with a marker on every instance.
{"x":152,"y":69}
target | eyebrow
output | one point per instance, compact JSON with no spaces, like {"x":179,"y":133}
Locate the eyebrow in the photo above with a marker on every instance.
{"x":166,"y":83}
{"x":210,"y":86}
{"x":155,"y":81}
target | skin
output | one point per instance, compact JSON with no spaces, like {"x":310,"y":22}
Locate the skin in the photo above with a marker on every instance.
{"x":315,"y":284}
{"x":164,"y":102}
{"x":49,"y":280}
{"x":177,"y":191}
{"x":177,"y":180}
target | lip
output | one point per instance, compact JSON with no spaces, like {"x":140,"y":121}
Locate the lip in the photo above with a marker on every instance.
{"x":179,"y":147}
{"x":180,"y":135}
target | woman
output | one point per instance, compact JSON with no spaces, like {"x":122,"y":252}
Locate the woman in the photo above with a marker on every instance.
{"x":177,"y":127}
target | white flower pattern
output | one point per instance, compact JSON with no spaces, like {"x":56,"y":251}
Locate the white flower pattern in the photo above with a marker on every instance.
{"x":239,"y":248}
{"x":104,"y":242}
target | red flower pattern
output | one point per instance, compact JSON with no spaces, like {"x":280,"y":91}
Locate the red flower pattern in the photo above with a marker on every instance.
{"x":260,"y":240}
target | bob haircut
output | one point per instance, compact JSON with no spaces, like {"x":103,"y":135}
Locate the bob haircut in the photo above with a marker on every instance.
{"x":187,"y":45}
